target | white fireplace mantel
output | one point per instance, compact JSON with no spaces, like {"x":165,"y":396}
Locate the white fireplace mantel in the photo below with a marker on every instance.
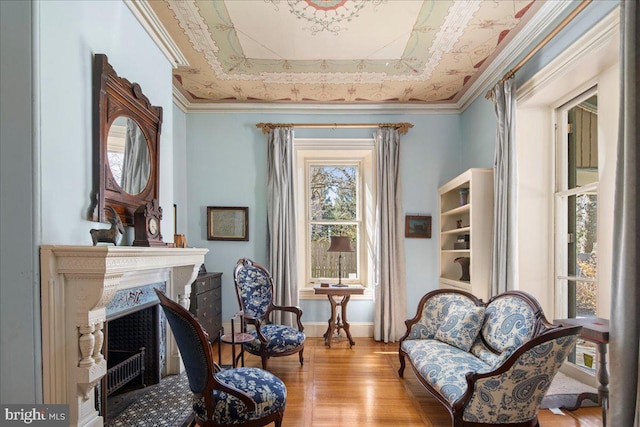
{"x":77,"y":282}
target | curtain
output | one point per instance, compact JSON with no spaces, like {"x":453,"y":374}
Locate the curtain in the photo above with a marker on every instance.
{"x":390,"y":291}
{"x":625,"y":293}
{"x":504,"y":257}
{"x":281,"y":220}
{"x":136,"y":165}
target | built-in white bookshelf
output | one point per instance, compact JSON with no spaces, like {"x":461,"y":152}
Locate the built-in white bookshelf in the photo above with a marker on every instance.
{"x":466,"y":229}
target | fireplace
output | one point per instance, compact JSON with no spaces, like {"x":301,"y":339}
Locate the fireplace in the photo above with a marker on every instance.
{"x":78,"y":283}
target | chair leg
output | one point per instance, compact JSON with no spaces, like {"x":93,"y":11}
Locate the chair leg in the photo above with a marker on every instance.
{"x":279,"y":419}
{"x":301,"y":358}
{"x":401,"y":370}
{"x":264,"y":358}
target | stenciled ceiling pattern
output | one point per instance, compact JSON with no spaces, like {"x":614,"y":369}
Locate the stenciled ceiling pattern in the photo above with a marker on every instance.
{"x":335,"y":51}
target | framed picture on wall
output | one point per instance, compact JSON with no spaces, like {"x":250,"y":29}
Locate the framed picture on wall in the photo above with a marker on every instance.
{"x":227,"y":223}
{"x":417,"y":226}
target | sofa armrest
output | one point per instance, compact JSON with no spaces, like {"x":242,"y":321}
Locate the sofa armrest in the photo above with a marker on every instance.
{"x":513,"y":390}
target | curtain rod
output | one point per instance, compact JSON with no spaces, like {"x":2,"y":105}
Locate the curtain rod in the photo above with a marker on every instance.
{"x":403,"y":127}
{"x":540,"y":45}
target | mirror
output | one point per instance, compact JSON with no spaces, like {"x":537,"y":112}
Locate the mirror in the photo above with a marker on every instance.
{"x":128,"y":155}
{"x":126,"y":133}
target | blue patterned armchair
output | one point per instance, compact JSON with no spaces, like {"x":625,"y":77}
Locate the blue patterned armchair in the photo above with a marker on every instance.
{"x":488,"y":364}
{"x":244,"y":397}
{"x":254,"y":288}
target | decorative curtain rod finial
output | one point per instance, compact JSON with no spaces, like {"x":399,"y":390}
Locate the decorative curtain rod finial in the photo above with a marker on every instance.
{"x":404,"y":127}
{"x":264,"y":126}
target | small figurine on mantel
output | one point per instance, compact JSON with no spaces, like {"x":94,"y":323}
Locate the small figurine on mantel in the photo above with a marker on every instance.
{"x":108,"y":235}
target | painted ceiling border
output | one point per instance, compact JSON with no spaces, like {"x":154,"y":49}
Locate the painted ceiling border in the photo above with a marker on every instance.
{"x":548,"y":13}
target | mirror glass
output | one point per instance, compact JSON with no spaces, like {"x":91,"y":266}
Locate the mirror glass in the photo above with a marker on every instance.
{"x":128,"y":155}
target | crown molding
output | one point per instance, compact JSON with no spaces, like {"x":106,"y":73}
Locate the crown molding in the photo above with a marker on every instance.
{"x":179,"y":99}
{"x":545,"y":17}
{"x":150,"y":22}
{"x":298,"y":108}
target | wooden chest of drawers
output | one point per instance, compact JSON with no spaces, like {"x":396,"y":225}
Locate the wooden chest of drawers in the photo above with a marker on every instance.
{"x":206,"y":303}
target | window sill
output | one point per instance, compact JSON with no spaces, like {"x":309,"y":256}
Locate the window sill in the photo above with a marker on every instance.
{"x":309,"y":294}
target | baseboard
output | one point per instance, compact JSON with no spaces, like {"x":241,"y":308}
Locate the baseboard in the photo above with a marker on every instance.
{"x":317,"y":329}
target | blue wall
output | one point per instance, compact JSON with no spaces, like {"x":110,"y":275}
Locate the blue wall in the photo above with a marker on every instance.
{"x":179,"y":164}
{"x":227,"y":159}
{"x":478,"y":134}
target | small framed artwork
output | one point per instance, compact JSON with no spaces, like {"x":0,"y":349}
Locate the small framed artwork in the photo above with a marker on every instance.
{"x":227,"y":223}
{"x":417,"y":226}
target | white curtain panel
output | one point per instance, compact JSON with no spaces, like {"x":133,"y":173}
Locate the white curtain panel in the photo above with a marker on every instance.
{"x":504,"y":258}
{"x":390,"y":288}
{"x":625,"y":291}
{"x":281,"y":220}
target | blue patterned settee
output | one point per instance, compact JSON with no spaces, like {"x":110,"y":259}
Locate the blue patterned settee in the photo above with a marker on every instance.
{"x":488,"y":363}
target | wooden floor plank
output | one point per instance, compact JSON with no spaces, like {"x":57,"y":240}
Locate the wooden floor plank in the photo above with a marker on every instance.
{"x":343,"y":387}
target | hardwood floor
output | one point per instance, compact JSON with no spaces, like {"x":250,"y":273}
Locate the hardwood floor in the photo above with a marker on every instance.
{"x":360,"y":386}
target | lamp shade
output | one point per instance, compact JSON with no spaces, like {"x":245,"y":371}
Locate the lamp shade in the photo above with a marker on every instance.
{"x":340,"y":244}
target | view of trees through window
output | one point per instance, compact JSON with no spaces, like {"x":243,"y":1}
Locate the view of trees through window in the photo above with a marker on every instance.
{"x":586,"y":254}
{"x":333,"y":210}
{"x":578,"y":195}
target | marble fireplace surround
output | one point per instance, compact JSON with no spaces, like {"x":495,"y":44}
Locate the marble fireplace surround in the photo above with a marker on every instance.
{"x":77,"y":282}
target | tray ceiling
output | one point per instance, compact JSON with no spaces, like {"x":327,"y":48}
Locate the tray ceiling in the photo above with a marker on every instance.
{"x":336,"y":51}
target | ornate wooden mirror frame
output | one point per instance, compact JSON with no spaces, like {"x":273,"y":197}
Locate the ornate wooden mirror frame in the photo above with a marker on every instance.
{"x":115,"y":97}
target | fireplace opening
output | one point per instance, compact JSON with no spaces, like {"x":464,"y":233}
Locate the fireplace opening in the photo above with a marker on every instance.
{"x":134,"y":346}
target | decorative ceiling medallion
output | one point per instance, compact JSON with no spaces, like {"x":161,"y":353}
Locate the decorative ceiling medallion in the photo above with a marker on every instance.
{"x":325,"y":4}
{"x":326,"y":15}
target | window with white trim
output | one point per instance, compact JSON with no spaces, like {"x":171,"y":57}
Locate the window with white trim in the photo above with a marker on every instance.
{"x":335,"y":197}
{"x":576,"y":206}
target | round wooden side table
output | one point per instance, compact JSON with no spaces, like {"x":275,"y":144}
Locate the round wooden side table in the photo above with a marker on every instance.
{"x":234,"y":338}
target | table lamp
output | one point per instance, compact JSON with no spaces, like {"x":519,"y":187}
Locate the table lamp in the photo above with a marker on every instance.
{"x":340,"y":244}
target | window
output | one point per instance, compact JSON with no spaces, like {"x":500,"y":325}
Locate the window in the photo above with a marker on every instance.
{"x":335,"y":197}
{"x":577,"y":215}
{"x":333,"y":209}
{"x":543,"y":170}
